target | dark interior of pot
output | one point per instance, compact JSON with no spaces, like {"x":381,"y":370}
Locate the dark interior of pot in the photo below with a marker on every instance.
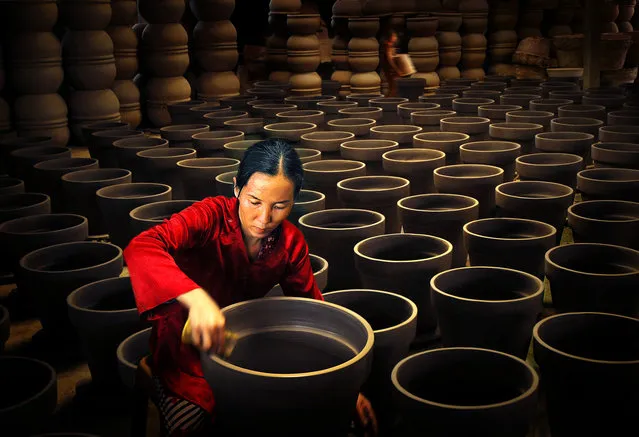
{"x":21,"y":379}
{"x":564,"y":136}
{"x":490,"y":146}
{"x":316,"y":263}
{"x":42,"y":223}
{"x":381,"y":310}
{"x":372,"y":183}
{"x":159,"y":211}
{"x":173,"y":152}
{"x":510,"y":228}
{"x":619,"y":147}
{"x":64,"y":163}
{"x":443,"y":202}
{"x":70,"y":256}
{"x":227,"y":178}
{"x":442,"y":136}
{"x":469,"y":171}
{"x":414,"y":155}
{"x":183,"y":127}
{"x":114,"y":294}
{"x":594,"y":336}
{"x":596,"y":259}
{"x":397,"y":129}
{"x":341,"y":219}
{"x":488,"y":284}
{"x":124,"y":191}
{"x":607,"y":210}
{"x":13,"y":201}
{"x":535,"y":189}
{"x":207,"y":162}
{"x":402,"y":247}
{"x":550,"y":158}
{"x":464,"y":377}
{"x":141,"y":142}
{"x":135,"y":347}
{"x":332,"y":165}
{"x":9,"y":182}
{"x":102,"y":174}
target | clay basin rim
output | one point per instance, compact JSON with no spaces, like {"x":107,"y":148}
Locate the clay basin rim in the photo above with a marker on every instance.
{"x":550,"y":231}
{"x":631,"y":270}
{"x":465,"y":202}
{"x":374,"y":218}
{"x":404,"y":238}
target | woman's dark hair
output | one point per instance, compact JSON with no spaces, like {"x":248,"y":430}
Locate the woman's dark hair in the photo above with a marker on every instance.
{"x":271,"y":157}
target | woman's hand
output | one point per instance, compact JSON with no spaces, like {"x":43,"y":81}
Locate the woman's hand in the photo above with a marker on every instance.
{"x":206,"y":320}
{"x":366,"y":416}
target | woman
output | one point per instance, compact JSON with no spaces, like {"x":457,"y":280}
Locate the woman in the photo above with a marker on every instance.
{"x":389,"y":65}
{"x":214,"y":253}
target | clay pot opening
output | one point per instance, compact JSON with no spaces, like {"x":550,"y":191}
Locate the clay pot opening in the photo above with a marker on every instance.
{"x":372,"y":183}
{"x":307,"y":155}
{"x":534,"y":190}
{"x":111,"y":296}
{"x":402,"y":248}
{"x":378,"y":145}
{"x":442,"y":136}
{"x":438,"y":203}
{"x":172,"y":153}
{"x":307,"y":196}
{"x":231,"y":135}
{"x":289,"y":126}
{"x":180,"y":128}
{"x":552,"y":160}
{"x":509,"y":229}
{"x":490,"y":146}
{"x":140,"y":143}
{"x":18,"y":201}
{"x":130,"y":352}
{"x":397,"y":128}
{"x":71,"y":257}
{"x":333,"y":166}
{"x":342,"y":219}
{"x":156,"y":212}
{"x":413,"y":155}
{"x":116,"y":133}
{"x":468,"y":171}
{"x":209,"y":163}
{"x":568,"y":136}
{"x":43,"y":223}
{"x":27,"y":384}
{"x":594,"y":259}
{"x":65,"y":163}
{"x":609,"y":175}
{"x":137,"y":190}
{"x":606,"y":211}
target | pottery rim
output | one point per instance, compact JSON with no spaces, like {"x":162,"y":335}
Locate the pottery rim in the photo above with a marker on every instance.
{"x":446,"y":243}
{"x":571,"y":211}
{"x":41,"y":198}
{"x":583,"y":174}
{"x":218,"y":134}
{"x":549,"y":260}
{"x":437,"y":154}
{"x":473,"y":203}
{"x":384,"y":128}
{"x":401,"y":183}
{"x":357,"y":165}
{"x":165,"y":189}
{"x":185,"y":164}
{"x":496,"y":171}
{"x":122,"y":173}
{"x":51,"y":382}
{"x":318,"y":197}
{"x":111,"y":246}
{"x":563,"y":187}
{"x":82,"y":221}
{"x":386,"y":144}
{"x":177,"y":152}
{"x":86,"y":309}
{"x":312,"y":153}
{"x":509,"y":146}
{"x":575,"y":159}
{"x":379,"y":219}
{"x":552,"y":231}
{"x":342,"y":122}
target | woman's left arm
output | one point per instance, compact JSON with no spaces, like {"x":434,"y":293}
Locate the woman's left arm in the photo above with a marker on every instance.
{"x":298,"y":277}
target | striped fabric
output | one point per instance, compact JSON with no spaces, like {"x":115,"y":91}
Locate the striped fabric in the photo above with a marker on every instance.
{"x":179,"y":417}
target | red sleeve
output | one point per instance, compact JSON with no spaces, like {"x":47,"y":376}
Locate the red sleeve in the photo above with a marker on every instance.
{"x":298,"y":278}
{"x":155,"y":276}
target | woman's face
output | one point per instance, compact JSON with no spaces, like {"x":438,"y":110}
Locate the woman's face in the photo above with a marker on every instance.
{"x":264,"y":202}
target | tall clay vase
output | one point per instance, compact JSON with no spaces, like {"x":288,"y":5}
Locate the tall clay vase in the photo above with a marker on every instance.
{"x":47,"y":176}
{"x":589,"y":363}
{"x":605,"y":221}
{"x":594,"y":277}
{"x":116,"y":202}
{"x":394,"y":322}
{"x":494,"y":394}
{"x":332,"y":234}
{"x":488,"y":307}
{"x":376,"y":193}
{"x":441,"y":215}
{"x":126,"y":150}
{"x":129,"y":354}
{"x":609,"y":184}
{"x":473,"y":180}
{"x":416,"y":165}
{"x":198,"y":175}
{"x":513,"y":243}
{"x":50,"y":274}
{"x":547,"y":202}
{"x":306,"y":201}
{"x":561,"y":168}
{"x":78,"y":192}
{"x":160,"y":166}
{"x":323,"y":176}
{"x":498,"y":153}
{"x":104,"y":313}
{"x":30,"y":392}
{"x":146,"y":216}
{"x":329,"y":356}
{"x":402,"y":263}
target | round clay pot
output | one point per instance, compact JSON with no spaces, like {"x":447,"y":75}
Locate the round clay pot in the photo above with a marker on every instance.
{"x":8,"y":145}
{"x":469,"y":105}
{"x":236,"y":149}
{"x":513,"y":243}
{"x":269,"y":111}
{"x":13,"y":206}
{"x":325,"y":142}
{"x":369,"y":152}
{"x":508,"y":301}
{"x":402,"y":134}
{"x":609,"y":184}
{"x":491,"y":85}
{"x":160,"y":166}
{"x":323,"y":176}
{"x":198,"y":175}
{"x":561,"y":168}
{"x":549,"y":105}
{"x":576,"y":124}
{"x":146,"y":216}
{"x":619,"y":155}
{"x":475,"y":406}
{"x":373,"y":113}
{"x":290,"y":131}
{"x":11,"y":186}
{"x":116,"y":201}
{"x":126,"y":150}
{"x":496,"y":112}
{"x":606,"y":361}
{"x":216,"y":119}
{"x":22,"y":160}
{"x":357,"y":126}
{"x":196,"y":113}
{"x":308,"y":102}
{"x":88,"y":129}
{"x":331,"y":107}
{"x":498,"y":153}
{"x":476,"y":127}
{"x":78,"y":190}
{"x":583,"y":111}
{"x":443,"y":99}
{"x":447,"y":142}
{"x":522,"y":133}
{"x":522,"y":100}
{"x":574,"y":95}
{"x":625,"y":117}
{"x":577,"y":143}
{"x":332,"y":234}
{"x":535,"y":200}
{"x":179,"y":135}
{"x":47,"y":176}
{"x":304,"y":116}
{"x":481,"y":94}
{"x":610,"y":101}
{"x":211,"y":144}
{"x":308,"y":155}
{"x":88,"y":59}
{"x":474,"y":180}
{"x":224,"y":184}
{"x":619,"y":134}
{"x":320,"y":272}
{"x":430,"y":120}
{"x":442,"y":215}
{"x":129,"y":353}
{"x":306,"y":201}
{"x":30,"y":387}
{"x":237,"y":103}
{"x":404,"y":110}
{"x":252,"y":127}
{"x":605,"y":221}
{"x":416,"y":165}
{"x":180,"y":112}
{"x":536,"y":117}
{"x":51,"y":273}
{"x":104,"y":313}
{"x":101,"y":145}
{"x":526,"y":89}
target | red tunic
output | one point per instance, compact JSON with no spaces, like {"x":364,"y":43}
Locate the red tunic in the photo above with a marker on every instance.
{"x":202,"y":246}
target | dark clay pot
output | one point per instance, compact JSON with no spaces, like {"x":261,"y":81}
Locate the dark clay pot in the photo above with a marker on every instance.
{"x":561,"y":168}
{"x":21,"y":161}
{"x":496,"y":112}
{"x":498,"y":153}
{"x":129,"y":353}
{"x":494,"y":393}
{"x":402,"y":134}
{"x":618,"y":155}
{"x":308,"y":155}
{"x":236,"y":149}
{"x":11,"y":186}
{"x":198,"y":175}
{"x":320,"y":272}
{"x":29,"y":392}
{"x":306,"y":201}
{"x":48,"y":176}
{"x":8,"y":145}
{"x":394,"y":320}
{"x":78,"y":192}
{"x":51,"y":273}
{"x":326,"y":142}
{"x":469,"y":105}
{"x":179,"y":135}
{"x":23,"y":235}
{"x":583,"y":111}
{"x":332,"y":234}
{"x":328,"y":360}
{"x":605,"y":221}
{"x":376,"y":193}
{"x":13,"y":206}
{"x":180,"y":113}
{"x":403,"y":263}
{"x":116,"y":201}
{"x":488,"y":307}
{"x":550,"y":105}
{"x":160,"y":166}
{"x":416,"y":165}
{"x":211,"y":144}
{"x":323,"y":176}
{"x":88,"y":129}
{"x":476,"y":127}
{"x":104,"y":313}
{"x":521,"y":133}
{"x":594,"y":277}
{"x":442,"y":215}
{"x":101,"y":145}
{"x":5,"y":327}
{"x":576,"y":124}
{"x":126,"y":151}
{"x":146,"y":216}
{"x":443,"y":99}
{"x":577,"y":143}
{"x":474,"y":180}
{"x":429,"y":121}
{"x":536,"y":117}
{"x":514,"y":243}
{"x":224,"y":184}
{"x":357,"y":126}
{"x":535,"y":200}
{"x":589,"y":363}
{"x":609,"y":184}
{"x":447,"y":142}
{"x":369,"y":152}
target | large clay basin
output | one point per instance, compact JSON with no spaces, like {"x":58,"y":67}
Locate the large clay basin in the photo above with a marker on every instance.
{"x":236,"y":149}
{"x":609,"y":184}
{"x":447,"y":142}
{"x":126,"y":151}
{"x":224,"y":184}
{"x":357,"y":126}
{"x":13,"y":206}
{"x":576,"y":124}
{"x":11,"y":186}
{"x":48,"y":174}
{"x":597,"y":112}
{"x":289,"y":131}
{"x":416,"y":165}
{"x":496,"y":112}
{"x":211,"y":144}
{"x":198,"y":175}
{"x":520,"y":133}
{"x":326,"y":142}
{"x":604,"y":221}
{"x":129,"y":353}
{"x":323,"y":176}
{"x":369,"y":152}
{"x":160,"y":166}
{"x":498,"y":153}
{"x":618,"y":155}
{"x":320,"y":272}
{"x":305,"y":202}
{"x":561,"y":168}
{"x":328,"y":358}
{"x":403,"y":134}
{"x":146,"y":216}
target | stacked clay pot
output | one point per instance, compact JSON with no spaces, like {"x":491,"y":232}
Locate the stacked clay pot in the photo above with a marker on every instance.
{"x":339,"y":50}
{"x":423,"y":48}
{"x":363,"y":55}
{"x":89,"y":63}
{"x":608,"y":13}
{"x":215,"y":49}
{"x":502,"y":39}
{"x":276,"y":57}
{"x":450,"y":44}
{"x":626,"y":12}
{"x":474,"y":43}
{"x":303,"y":53}
{"x":530,"y":18}
{"x":125,"y":49}
{"x":35,"y":71}
{"x":165,"y":58}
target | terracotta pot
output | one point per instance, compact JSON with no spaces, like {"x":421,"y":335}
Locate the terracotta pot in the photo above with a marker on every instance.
{"x":306,"y":201}
{"x":490,"y":83}
{"x":92,"y":106}
{"x":564,"y":142}
{"x":357,"y":126}
{"x":536,"y":117}
{"x":522,"y":133}
{"x":23,"y":204}
{"x":127,"y":148}
{"x":179,"y":135}
{"x":619,"y":155}
{"x":51,"y":273}
{"x":625,"y":117}
{"x":429,"y":121}
{"x":469,"y":105}
{"x":22,"y":160}
{"x":251,"y":127}
{"x":522,"y":100}
{"x":162,"y":92}
{"x":561,"y":168}
{"x":210,"y":144}
{"x":549,"y":105}
{"x":146,"y":216}
{"x":325,"y":142}
{"x":605,"y":221}
{"x":104,"y":313}
{"x":510,"y":303}
{"x":224,"y":184}
{"x":583,"y":111}
{"x":290,"y":131}
{"x":305,"y":116}
{"x":498,"y":153}
{"x":36,"y":62}
{"x":447,"y":142}
{"x":89,"y":63}
{"x":369,"y":152}
{"x":236,"y":149}
{"x":513,"y":243}
{"x":308,"y":155}
{"x":129,"y":353}
{"x":11,"y":186}
{"x":323,"y":176}
{"x":402,"y":134}
{"x":496,"y":112}
{"x":159,"y":165}
{"x":100,"y":145}
{"x":476,"y":127}
{"x":444,"y":100}
{"x":620,"y":134}
{"x":216,"y":119}
{"x":419,"y":378}
{"x":608,"y":184}
{"x":180,"y":112}
{"x":362,"y":99}
{"x":47,"y":177}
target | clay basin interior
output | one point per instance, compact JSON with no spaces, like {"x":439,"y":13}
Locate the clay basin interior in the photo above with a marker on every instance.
{"x":606,"y":211}
{"x":403,"y":247}
{"x":158,"y":211}
{"x":22,"y":381}
{"x":289,"y":127}
{"x":372,"y":183}
{"x":610,"y":174}
{"x":21,"y":200}
{"x":219,"y":134}
{"x":113,"y":294}
{"x":509,"y":229}
{"x":344,"y":122}
{"x":469,"y":171}
{"x":342,"y":219}
{"x":438,"y":202}
{"x":42,"y":223}
{"x":70,"y":257}
{"x":306,"y":196}
{"x":413,"y":155}
{"x":550,"y":159}
{"x":396,"y":128}
{"x":534,"y":189}
{"x":595,"y":259}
